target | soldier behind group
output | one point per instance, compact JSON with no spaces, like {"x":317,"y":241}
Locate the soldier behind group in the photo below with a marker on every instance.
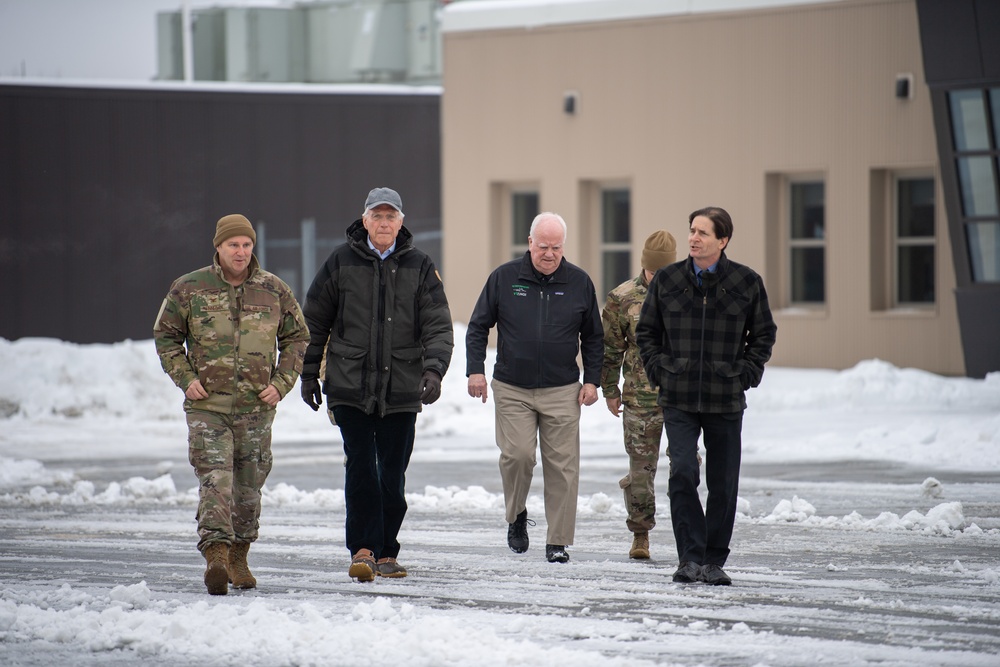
{"x":228,"y":316}
{"x":643,"y":418}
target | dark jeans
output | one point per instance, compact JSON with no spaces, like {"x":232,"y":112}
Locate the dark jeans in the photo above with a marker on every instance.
{"x":378,"y":451}
{"x":703,"y":536}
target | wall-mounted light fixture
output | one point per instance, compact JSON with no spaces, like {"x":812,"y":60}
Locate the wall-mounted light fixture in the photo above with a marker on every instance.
{"x":904,"y":86}
{"x":571,"y":101}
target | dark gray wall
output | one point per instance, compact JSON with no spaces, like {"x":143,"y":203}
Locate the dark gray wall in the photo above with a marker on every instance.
{"x":107,"y":195}
{"x":960,"y":41}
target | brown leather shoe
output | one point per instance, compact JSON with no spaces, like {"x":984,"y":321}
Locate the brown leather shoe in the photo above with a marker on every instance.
{"x":363,"y":565}
{"x":388,"y":567}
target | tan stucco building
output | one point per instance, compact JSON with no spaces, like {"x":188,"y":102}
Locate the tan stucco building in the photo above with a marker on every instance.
{"x":811,"y":122}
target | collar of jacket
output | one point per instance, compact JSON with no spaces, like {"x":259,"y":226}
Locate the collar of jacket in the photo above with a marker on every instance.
{"x":357,"y":236}
{"x":252,"y":267}
{"x":527,"y":270}
{"x":720,"y":268}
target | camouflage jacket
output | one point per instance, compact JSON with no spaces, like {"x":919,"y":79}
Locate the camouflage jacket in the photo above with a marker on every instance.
{"x":229,"y":334}
{"x":621,"y":314}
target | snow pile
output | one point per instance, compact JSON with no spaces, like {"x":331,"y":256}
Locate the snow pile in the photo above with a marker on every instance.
{"x":878,"y":383}
{"x":58,"y":379}
{"x":946,"y":519}
{"x":127,"y":618}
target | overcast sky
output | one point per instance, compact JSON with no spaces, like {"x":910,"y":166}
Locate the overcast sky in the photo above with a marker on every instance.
{"x":100,"y":39}
{"x":84,"y":39}
{"x":116,"y":39}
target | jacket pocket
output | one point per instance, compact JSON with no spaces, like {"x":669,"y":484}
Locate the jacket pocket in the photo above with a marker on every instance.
{"x":675,"y":365}
{"x":677,"y":301}
{"x":404,"y":376}
{"x":733,"y":304}
{"x":728,"y":370}
{"x":210,"y":323}
{"x":346,"y":371}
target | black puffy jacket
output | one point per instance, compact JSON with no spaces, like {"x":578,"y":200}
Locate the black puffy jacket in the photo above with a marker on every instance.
{"x":381,"y":322}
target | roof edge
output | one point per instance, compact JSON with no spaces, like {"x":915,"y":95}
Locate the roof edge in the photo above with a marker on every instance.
{"x":477,"y":15}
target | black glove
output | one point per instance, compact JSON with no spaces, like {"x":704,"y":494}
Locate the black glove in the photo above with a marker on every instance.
{"x":311,"y":393}
{"x":430,"y":387}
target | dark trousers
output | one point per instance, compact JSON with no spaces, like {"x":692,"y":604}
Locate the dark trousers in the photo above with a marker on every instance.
{"x":378,"y":451}
{"x":703,"y":536}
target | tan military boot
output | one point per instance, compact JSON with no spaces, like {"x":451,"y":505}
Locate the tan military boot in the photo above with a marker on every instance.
{"x":640,"y":546}
{"x":216,"y":573}
{"x":239,"y":571}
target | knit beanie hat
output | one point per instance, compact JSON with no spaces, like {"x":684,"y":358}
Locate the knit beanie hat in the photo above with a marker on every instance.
{"x":233,"y":225}
{"x":660,"y":250}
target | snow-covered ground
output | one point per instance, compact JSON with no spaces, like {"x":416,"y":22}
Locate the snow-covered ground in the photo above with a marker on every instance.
{"x":868,"y":533}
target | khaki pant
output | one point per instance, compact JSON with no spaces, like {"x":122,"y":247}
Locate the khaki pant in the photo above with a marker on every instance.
{"x":548,"y":419}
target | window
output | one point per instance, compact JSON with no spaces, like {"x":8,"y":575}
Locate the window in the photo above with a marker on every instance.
{"x":914,"y":241}
{"x":807,"y":242}
{"x":975,"y":129}
{"x":616,"y":237}
{"x":984,"y":245}
{"x":523,"y":209}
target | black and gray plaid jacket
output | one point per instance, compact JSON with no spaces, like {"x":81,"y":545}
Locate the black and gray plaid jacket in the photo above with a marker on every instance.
{"x":704,"y":346}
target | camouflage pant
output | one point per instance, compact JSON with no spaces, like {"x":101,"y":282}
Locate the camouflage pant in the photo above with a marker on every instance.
{"x":231,"y":456}
{"x":643,"y":427}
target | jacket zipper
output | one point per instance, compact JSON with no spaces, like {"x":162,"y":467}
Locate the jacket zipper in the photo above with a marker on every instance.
{"x":701,"y":352}
{"x":235,"y":321}
{"x":379,"y":336}
{"x":543,"y":312}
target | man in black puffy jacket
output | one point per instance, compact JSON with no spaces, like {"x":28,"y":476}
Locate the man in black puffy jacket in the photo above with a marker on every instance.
{"x":378,"y":310}
{"x":704,"y":334}
{"x":545,"y":310}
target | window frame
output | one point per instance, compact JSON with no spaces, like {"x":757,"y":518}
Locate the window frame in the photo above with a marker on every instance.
{"x":791,"y":244}
{"x":605,"y":247}
{"x":896,"y":242}
{"x":518,"y":248}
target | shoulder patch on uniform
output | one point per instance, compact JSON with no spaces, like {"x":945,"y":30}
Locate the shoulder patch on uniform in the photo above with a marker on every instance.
{"x":159,"y":315}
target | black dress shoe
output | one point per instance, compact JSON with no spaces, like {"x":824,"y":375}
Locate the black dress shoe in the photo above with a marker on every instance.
{"x":713,"y":575}
{"x":556,"y":553}
{"x":517,"y":533}
{"x":688,"y":573}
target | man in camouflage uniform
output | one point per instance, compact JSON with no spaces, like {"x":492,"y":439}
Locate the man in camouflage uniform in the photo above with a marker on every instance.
{"x":216,"y":336}
{"x":643,"y":418}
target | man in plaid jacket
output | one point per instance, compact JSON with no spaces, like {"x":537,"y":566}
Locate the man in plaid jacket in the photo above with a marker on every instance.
{"x":704,"y":334}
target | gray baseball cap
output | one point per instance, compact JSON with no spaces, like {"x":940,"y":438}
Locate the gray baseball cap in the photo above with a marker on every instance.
{"x":380,"y":196}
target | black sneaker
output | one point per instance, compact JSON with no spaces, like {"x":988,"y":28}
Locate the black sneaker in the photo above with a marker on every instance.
{"x":517,"y":533}
{"x":713,"y":575}
{"x":688,"y":573}
{"x":556,"y":553}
